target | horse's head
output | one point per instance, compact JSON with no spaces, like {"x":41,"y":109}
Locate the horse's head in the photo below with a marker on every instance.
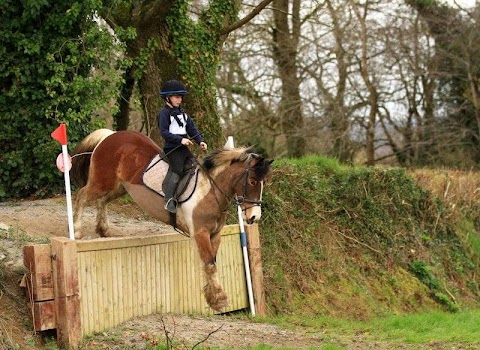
{"x":248,"y":190}
{"x":239,"y":173}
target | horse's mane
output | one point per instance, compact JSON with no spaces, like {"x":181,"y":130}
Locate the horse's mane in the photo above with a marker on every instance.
{"x":218,"y":160}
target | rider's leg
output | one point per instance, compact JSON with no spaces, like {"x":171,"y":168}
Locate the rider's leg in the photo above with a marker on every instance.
{"x":176,"y":159}
{"x":169,"y":188}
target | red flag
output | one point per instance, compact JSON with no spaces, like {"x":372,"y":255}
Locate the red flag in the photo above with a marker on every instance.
{"x":60,"y":134}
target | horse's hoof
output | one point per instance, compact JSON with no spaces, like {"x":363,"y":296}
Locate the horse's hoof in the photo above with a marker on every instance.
{"x":102,"y":232}
{"x":216,"y":297}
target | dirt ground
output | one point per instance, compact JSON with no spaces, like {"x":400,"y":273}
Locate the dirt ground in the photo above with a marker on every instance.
{"x":45,"y":218}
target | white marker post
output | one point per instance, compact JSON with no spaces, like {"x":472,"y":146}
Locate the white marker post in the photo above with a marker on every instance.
{"x":243,"y":239}
{"x":64,"y":164}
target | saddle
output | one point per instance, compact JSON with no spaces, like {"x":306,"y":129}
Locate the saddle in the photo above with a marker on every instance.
{"x":157,"y":169}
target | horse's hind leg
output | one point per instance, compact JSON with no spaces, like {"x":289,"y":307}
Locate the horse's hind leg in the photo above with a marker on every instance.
{"x":81,"y":201}
{"x":102,"y":220}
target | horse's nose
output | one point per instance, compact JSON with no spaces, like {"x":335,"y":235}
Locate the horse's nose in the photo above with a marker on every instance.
{"x":251,"y":220}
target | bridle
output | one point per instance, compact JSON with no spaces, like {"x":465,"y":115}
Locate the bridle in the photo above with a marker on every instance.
{"x":241,"y":200}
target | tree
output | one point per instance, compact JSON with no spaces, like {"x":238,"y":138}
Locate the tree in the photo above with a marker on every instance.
{"x":457,"y":71}
{"x":176,"y":40}
{"x":56,"y":67}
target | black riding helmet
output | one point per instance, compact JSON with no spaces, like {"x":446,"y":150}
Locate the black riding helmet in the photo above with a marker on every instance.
{"x":173,"y":87}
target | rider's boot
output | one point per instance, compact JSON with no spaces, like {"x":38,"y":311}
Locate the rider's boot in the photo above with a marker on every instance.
{"x":169,"y":187}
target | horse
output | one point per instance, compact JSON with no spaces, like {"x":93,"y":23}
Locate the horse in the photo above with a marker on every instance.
{"x":111,"y":163}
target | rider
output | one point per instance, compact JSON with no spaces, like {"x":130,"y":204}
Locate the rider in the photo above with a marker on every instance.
{"x":178,"y":131}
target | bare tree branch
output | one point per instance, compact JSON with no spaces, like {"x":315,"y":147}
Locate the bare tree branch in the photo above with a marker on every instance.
{"x":245,"y":19}
{"x":208,"y":336}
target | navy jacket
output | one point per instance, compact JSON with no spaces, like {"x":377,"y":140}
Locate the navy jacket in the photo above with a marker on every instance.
{"x":174,"y":124}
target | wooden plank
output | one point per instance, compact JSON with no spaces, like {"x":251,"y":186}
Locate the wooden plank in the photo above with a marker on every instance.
{"x":109,"y":309}
{"x":98,"y":291}
{"x":124,"y":242}
{"x":128,"y":280}
{"x":38,"y":262}
{"x":67,"y":301}
{"x":135,"y":284}
{"x":119,"y":289}
{"x":174,"y":263}
{"x":90,"y":302}
{"x":256,"y":270}
{"x":158,"y":280}
{"x":165,"y":277}
{"x":150,"y":280}
{"x":185,"y":286}
{"x":128,"y":242}
{"x":147,"y":282}
{"x":116,"y":318}
{"x":82,"y":288}
{"x":229,"y":230}
{"x":43,"y":315}
{"x":196,"y":273}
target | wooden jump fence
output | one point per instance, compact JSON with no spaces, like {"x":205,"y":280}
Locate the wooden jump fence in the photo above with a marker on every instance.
{"x":87,"y":286}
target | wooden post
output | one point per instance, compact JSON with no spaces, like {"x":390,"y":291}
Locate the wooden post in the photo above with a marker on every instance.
{"x":67,"y":300}
{"x":37,"y":261}
{"x":255,"y":257}
{"x":39,"y":285}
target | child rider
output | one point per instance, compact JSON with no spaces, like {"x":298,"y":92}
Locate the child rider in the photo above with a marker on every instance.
{"x":178,"y":130}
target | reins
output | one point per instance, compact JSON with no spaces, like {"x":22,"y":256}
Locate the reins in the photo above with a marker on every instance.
{"x":239,"y":200}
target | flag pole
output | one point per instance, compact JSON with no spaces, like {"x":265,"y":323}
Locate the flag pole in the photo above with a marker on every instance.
{"x":68,"y":192}
{"x":60,"y":135}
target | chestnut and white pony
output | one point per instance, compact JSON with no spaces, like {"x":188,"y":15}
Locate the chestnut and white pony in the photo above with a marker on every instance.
{"x":116,"y":167}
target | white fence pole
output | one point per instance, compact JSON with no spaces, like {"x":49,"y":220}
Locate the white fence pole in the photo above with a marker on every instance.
{"x":243,"y":238}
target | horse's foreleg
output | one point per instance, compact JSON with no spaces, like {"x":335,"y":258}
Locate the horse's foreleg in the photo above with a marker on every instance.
{"x":214,"y":293}
{"x":202,"y":238}
{"x":215,"y":242}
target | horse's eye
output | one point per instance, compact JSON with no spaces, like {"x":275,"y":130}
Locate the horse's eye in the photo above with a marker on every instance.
{"x":252,"y":182}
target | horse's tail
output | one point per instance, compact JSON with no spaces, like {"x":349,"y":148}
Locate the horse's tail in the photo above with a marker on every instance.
{"x":83,"y":154}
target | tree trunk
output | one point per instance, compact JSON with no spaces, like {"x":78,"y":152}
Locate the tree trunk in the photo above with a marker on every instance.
{"x":365,"y":73}
{"x":122,"y":118}
{"x":340,"y":123}
{"x":285,"y":41}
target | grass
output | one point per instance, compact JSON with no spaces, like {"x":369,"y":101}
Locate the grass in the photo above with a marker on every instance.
{"x":21,"y":237}
{"x":409,"y":328}
{"x":427,"y":327}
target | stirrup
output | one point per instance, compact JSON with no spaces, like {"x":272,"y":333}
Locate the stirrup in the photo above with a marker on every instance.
{"x":171,"y":205}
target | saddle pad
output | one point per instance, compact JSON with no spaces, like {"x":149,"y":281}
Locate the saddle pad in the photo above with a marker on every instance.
{"x":155,"y":173}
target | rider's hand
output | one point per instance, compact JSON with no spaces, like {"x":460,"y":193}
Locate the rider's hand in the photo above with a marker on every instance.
{"x":203,"y":146}
{"x":186,"y":142}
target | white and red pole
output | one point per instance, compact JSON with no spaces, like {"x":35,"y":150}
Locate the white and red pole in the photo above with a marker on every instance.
{"x":64,"y":164}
